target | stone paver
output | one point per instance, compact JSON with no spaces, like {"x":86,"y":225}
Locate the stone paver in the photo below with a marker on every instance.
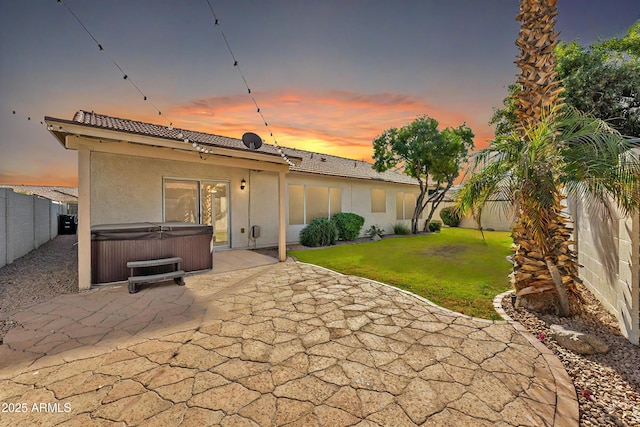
{"x":285,"y":344}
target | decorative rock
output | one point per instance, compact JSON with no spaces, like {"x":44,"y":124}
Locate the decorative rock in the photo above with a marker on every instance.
{"x":375,"y":238}
{"x":577,"y":341}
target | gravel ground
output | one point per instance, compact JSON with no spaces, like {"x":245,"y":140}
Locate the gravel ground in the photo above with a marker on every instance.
{"x":608,"y":385}
{"x":49,"y":271}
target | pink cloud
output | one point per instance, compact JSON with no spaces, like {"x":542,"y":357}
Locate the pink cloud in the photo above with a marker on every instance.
{"x":335,"y":122}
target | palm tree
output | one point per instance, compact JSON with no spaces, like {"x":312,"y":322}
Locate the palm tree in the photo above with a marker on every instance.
{"x":554,"y":152}
{"x":540,"y":89}
{"x":566,"y":154}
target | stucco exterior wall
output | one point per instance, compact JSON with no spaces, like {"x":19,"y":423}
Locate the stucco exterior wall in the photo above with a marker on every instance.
{"x":263,"y":209}
{"x":356,"y":198}
{"x":496,"y":215}
{"x":127,"y":189}
{"x":608,"y":248}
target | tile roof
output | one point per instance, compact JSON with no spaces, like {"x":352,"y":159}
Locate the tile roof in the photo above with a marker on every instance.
{"x":55,"y":193}
{"x":314,"y":163}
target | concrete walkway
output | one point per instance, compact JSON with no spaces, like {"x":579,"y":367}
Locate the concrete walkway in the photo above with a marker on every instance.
{"x":231,"y":260}
{"x":285,"y":344}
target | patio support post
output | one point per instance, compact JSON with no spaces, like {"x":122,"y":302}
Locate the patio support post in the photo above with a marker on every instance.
{"x":84,"y":218}
{"x":282,"y":226}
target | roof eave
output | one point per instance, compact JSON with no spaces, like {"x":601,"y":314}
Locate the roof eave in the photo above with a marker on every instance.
{"x":61,"y":128}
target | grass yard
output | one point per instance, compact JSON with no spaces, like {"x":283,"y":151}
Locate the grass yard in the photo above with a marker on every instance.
{"x":455,"y":269}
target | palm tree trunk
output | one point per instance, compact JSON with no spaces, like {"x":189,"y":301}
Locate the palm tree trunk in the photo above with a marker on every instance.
{"x":563,"y":298}
{"x":545,"y":279}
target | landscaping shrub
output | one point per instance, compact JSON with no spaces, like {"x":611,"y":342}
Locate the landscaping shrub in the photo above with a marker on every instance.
{"x":349,"y":225}
{"x":375,"y":230}
{"x":319,"y":232}
{"x":450,"y":216}
{"x":400,"y":228}
{"x":435,"y":226}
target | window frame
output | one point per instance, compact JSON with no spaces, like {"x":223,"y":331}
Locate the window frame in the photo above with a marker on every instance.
{"x":199,"y":195}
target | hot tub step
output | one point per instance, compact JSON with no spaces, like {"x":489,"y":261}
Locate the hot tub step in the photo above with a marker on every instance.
{"x":154,"y":262}
{"x":136,"y":280}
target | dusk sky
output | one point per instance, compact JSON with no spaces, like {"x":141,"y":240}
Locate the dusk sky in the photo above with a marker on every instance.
{"x":328,"y":75}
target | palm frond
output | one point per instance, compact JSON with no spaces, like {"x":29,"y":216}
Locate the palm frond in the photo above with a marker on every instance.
{"x":601,"y":165}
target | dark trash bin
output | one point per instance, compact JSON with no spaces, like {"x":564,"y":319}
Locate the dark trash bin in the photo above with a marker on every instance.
{"x":67,"y":224}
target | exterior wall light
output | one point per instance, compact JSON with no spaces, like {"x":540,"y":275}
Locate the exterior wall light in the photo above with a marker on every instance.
{"x":243,"y":184}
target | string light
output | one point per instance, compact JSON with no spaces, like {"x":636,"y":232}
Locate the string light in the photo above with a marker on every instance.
{"x":237,"y":66}
{"x":126,"y":77}
{"x":27,"y":116}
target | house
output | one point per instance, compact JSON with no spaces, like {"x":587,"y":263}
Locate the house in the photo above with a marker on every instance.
{"x":133,"y":172}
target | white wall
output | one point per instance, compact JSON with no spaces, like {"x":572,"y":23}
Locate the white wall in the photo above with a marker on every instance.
{"x":356,"y":198}
{"x":608,"y":248}
{"x":263,"y":210}
{"x":26,"y":222}
{"x":126,"y":189}
{"x":496,"y":215}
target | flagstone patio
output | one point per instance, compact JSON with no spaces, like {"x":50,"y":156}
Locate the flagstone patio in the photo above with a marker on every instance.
{"x":283,"y":344}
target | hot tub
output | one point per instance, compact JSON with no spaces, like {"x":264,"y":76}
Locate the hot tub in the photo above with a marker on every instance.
{"x":113,"y":245}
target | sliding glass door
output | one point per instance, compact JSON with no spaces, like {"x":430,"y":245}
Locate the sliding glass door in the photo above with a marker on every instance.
{"x":199,"y":202}
{"x":214,"y":205}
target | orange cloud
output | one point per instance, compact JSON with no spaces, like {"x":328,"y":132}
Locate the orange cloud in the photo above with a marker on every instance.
{"x":65,"y":177}
{"x":333,"y":122}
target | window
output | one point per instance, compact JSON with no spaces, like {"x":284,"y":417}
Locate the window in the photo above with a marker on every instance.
{"x":409,"y":205}
{"x":317,"y":203}
{"x":296,"y":204}
{"x":405,"y":205}
{"x":335,"y":201}
{"x":378,"y":201}
{"x":307,"y":202}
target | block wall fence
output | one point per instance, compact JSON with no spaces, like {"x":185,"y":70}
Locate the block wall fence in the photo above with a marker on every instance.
{"x":26,"y":223}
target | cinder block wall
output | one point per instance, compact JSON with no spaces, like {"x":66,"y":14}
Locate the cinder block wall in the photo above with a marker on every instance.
{"x":55,"y":209}
{"x":20,"y":230}
{"x":41,"y":222}
{"x":608,"y":250}
{"x":26,"y":223}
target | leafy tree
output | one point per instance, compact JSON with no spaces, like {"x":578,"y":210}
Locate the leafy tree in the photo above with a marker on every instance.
{"x":505,"y":118}
{"x":603,"y":80}
{"x":427,"y":154}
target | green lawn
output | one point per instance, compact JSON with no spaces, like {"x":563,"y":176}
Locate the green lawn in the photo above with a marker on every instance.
{"x":455,"y":268}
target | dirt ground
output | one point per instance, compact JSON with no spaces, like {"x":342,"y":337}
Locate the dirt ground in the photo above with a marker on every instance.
{"x":42,"y":274}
